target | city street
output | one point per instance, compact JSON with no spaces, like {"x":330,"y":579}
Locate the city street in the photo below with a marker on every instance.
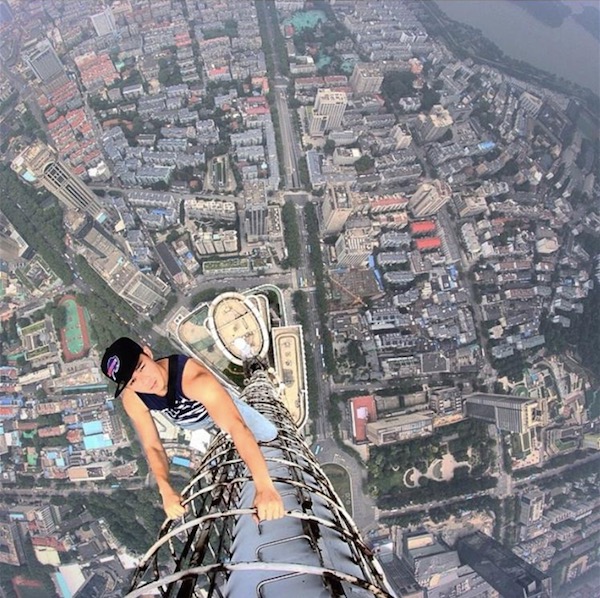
{"x":289,"y":142}
{"x":290,"y":145}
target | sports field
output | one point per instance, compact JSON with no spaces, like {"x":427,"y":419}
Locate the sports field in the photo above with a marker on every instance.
{"x":74,"y":337}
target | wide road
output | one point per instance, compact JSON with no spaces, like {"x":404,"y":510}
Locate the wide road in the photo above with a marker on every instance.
{"x":490,"y":492}
{"x":291,"y":150}
{"x":289,"y":142}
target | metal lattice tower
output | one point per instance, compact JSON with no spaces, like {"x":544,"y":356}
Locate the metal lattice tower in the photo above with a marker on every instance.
{"x":217,"y":549}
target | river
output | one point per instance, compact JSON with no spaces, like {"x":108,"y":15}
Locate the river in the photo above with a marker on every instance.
{"x":568,"y":51}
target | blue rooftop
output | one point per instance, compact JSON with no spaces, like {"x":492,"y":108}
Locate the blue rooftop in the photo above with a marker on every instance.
{"x":62,"y":585}
{"x":95,"y":442}
{"x":94,"y":427}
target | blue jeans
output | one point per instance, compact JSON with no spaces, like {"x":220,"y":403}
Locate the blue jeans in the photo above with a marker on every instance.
{"x":259,"y":425}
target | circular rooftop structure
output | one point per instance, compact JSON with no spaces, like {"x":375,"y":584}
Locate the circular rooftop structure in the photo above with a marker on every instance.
{"x":237,"y":328}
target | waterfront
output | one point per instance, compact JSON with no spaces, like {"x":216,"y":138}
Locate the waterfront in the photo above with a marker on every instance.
{"x":568,"y":51}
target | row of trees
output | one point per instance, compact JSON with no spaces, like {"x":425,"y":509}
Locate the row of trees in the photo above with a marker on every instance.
{"x":442,"y":490}
{"x":318,"y":268}
{"x":111,"y":316}
{"x":300,"y":304}
{"x":229,"y":29}
{"x":439,"y":514}
{"x":558,"y":461}
{"x":291,"y":233}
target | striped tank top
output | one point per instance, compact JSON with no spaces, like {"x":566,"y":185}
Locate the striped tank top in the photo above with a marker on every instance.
{"x":185,"y":412}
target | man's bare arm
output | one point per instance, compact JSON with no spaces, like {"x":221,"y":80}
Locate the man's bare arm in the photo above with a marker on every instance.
{"x":201,"y":385}
{"x":155,"y":453}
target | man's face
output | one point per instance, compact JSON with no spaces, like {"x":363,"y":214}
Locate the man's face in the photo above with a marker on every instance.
{"x":146,"y":376}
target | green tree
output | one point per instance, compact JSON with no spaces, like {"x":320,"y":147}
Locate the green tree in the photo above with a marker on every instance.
{"x":329,"y":147}
{"x":429,"y":98}
{"x":40,"y":226}
{"x":364,"y":164}
{"x":291,"y":233}
{"x":397,"y":85}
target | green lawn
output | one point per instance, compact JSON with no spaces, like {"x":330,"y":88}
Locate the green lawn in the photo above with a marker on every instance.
{"x":340,"y":479}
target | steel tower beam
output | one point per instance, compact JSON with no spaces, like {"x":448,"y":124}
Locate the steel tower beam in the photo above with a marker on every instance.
{"x":217,"y":549}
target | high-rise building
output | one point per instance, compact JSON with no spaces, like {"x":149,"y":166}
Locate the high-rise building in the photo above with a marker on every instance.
{"x":39,"y":164}
{"x":257,"y":211}
{"x":366,"y":78}
{"x":141,"y":290}
{"x":401,"y":135}
{"x":328,"y":111}
{"x":420,"y":565}
{"x":45,"y":63}
{"x":45,"y":518}
{"x":435,"y":124}
{"x":431,"y":562}
{"x":337,"y":207}
{"x":470,"y":205}
{"x":354,"y":246}
{"x":314,"y":550}
{"x":532,"y":507}
{"x":509,"y":575}
{"x":429,"y":198}
{"x":11,"y":544}
{"x":508,"y":413}
{"x":104,"y":22}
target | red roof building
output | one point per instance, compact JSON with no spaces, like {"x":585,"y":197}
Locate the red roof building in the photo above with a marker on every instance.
{"x":363,"y":410}
{"x":336,"y":80}
{"x":49,"y":541}
{"x":422,"y":227}
{"x":428,"y":243}
{"x":388,"y":203}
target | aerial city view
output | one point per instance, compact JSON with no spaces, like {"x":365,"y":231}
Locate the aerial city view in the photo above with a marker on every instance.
{"x":299,"y":298}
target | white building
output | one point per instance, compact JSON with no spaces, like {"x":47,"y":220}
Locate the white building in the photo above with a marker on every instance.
{"x":104,"y":22}
{"x":328,"y":111}
{"x":354,"y":247}
{"x":429,"y":198}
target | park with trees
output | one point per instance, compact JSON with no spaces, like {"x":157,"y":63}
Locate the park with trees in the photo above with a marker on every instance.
{"x":468,"y":441}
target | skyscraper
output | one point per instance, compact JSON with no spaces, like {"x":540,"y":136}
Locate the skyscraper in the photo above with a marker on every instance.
{"x":429,"y":198}
{"x":140,"y":289}
{"x":257,"y":210}
{"x":366,"y":78}
{"x":104,"y":22}
{"x":45,"y":63}
{"x":354,"y":246}
{"x":401,"y":136}
{"x":328,"y":111}
{"x":532,"y":507}
{"x":39,"y":164}
{"x":337,"y":207}
{"x":11,"y":544}
{"x":435,"y":124}
{"x":315,"y":550}
{"x":509,"y":575}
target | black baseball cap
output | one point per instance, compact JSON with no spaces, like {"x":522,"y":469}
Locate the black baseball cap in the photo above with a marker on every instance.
{"x":120,"y":360}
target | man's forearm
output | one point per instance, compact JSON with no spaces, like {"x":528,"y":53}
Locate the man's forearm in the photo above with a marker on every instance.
{"x":159,"y":465}
{"x":249,"y":451}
